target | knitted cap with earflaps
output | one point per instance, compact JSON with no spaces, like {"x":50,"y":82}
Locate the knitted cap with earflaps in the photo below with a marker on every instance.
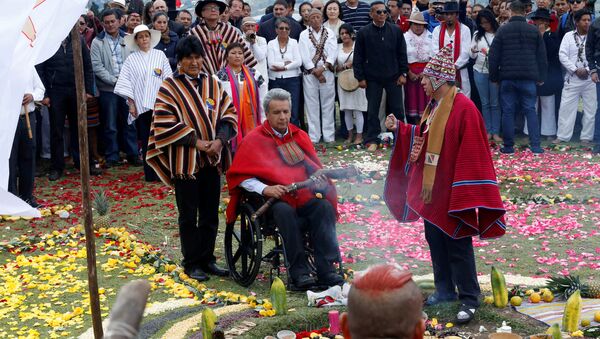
{"x":440,"y":68}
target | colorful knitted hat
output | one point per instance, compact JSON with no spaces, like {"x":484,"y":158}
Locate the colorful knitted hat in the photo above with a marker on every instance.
{"x":440,"y":68}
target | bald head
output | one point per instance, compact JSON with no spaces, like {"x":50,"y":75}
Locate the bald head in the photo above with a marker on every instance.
{"x":160,"y":6}
{"x":384,"y":303}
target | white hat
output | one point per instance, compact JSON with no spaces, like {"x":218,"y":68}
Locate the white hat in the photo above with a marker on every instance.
{"x":130,"y":39}
{"x":118,"y":2}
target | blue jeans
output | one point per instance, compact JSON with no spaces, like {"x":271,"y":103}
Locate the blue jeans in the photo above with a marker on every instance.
{"x":293,"y":86}
{"x":113,"y":114}
{"x":519,"y":96}
{"x":490,"y":108}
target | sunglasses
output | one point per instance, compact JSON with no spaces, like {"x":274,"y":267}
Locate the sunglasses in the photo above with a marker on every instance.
{"x":575,"y":1}
{"x":81,"y":23}
{"x":381,"y":11}
{"x":283,"y":28}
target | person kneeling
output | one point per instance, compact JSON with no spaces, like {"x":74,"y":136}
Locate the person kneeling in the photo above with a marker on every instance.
{"x":269,"y":158}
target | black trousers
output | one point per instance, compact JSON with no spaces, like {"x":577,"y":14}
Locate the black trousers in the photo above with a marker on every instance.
{"x":317,"y":218}
{"x":22,"y":159}
{"x":63,"y":104}
{"x":453,"y":266}
{"x":393,"y":103}
{"x":143,"y":123}
{"x":198,"y":206}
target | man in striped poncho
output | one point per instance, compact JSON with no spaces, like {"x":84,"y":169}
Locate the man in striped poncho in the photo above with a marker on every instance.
{"x":216,"y":36}
{"x":192,"y":124}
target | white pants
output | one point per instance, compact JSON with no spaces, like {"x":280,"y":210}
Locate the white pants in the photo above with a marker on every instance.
{"x":574,"y":89}
{"x":465,"y":86}
{"x":548,"y":115}
{"x":323,"y":93}
{"x":354,"y":118}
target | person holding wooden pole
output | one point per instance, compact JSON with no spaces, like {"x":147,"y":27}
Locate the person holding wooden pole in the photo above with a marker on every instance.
{"x":22,"y":156}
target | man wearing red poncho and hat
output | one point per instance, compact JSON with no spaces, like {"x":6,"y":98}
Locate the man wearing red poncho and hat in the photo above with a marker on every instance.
{"x":442,"y":171}
{"x":271,"y":157}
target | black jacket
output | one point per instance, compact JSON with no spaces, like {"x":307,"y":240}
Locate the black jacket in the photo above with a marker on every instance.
{"x":554,"y":80}
{"x":592,"y":46}
{"x":380,"y":53}
{"x":518,"y":52}
{"x":58,"y":72}
{"x":267,"y":29}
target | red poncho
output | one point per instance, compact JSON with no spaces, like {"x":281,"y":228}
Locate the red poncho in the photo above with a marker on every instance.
{"x":466,"y":198}
{"x":258,"y":157}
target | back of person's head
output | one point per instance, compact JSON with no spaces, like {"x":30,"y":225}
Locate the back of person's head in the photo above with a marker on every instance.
{"x":580,"y":13}
{"x":384,"y":302}
{"x":517,"y":7}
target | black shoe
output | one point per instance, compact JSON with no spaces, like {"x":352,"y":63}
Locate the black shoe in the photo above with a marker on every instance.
{"x":135,"y":161}
{"x":197,"y":273}
{"x":331,"y":279}
{"x":54,"y":175}
{"x":213,"y":269}
{"x":304,"y":281}
{"x":465,"y":314}
{"x":32,"y":202}
{"x":112,"y":163}
{"x":95,"y":171}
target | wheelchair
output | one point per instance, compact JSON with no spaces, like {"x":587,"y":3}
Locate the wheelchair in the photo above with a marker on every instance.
{"x":246,"y":237}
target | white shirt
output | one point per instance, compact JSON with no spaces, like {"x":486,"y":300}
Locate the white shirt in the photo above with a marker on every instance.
{"x":308,"y":49}
{"x":568,"y":53}
{"x":259,"y":50}
{"x":278,"y":57}
{"x":418,"y":47}
{"x":465,"y":43}
{"x":141,"y":77}
{"x":253,"y":184}
{"x":35,"y":87}
{"x":483,"y":49}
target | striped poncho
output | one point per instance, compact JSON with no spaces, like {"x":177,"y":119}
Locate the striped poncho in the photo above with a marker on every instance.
{"x":216,"y":41}
{"x":184,"y":111}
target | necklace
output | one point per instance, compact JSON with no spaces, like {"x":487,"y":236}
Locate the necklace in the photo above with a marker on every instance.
{"x":283,"y":51}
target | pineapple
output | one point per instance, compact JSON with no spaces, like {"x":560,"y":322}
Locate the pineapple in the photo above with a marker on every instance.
{"x":567,"y":285}
{"x":102,"y":207}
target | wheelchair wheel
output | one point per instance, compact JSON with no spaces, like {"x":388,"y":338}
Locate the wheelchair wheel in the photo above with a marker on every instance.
{"x":243,"y":247}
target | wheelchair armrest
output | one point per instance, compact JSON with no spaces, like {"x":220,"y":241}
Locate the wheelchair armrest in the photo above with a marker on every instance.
{"x":253,"y":199}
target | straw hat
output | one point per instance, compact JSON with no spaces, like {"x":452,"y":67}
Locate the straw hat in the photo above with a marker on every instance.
{"x":417,"y":18}
{"x":120,"y":3}
{"x":130,"y":39}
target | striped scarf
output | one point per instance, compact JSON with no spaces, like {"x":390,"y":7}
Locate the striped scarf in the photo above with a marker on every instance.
{"x":216,"y":41}
{"x":246,"y":101}
{"x":182,"y":109}
{"x":320,"y":46}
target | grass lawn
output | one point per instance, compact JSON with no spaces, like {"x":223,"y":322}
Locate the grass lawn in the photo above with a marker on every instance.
{"x":553,"y":219}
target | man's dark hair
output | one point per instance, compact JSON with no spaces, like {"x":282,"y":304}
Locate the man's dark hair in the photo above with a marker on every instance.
{"x":406,"y":2}
{"x":110,"y":11}
{"x":269,"y":9}
{"x":231,"y":2}
{"x":578,"y":15}
{"x":188,"y":46}
{"x":184,"y":11}
{"x":377,"y":3}
{"x":517,"y":7}
{"x":291,"y":3}
{"x":387,"y":3}
{"x":246,"y":4}
{"x":281,"y":2}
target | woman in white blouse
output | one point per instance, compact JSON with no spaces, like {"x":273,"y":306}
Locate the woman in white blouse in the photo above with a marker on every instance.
{"x":419,"y":51}
{"x":283,"y":57}
{"x":355,"y":102}
{"x":141,"y":76}
{"x":488,"y":91}
{"x":333,"y":12}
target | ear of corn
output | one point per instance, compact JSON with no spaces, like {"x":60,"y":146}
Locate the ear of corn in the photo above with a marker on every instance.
{"x":209,"y":319}
{"x":279,"y":296}
{"x":499,"y":290}
{"x":572,"y":313}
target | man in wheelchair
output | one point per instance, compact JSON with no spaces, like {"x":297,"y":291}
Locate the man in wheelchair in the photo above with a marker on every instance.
{"x":273,"y":156}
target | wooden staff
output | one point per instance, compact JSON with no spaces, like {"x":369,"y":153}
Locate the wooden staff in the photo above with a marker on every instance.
{"x":84,"y":167}
{"x":27,"y":122}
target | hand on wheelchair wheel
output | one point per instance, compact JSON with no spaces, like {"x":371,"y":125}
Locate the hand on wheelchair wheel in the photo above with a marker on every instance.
{"x":275,"y":191}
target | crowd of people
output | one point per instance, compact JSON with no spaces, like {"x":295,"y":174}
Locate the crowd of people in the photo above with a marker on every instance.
{"x":179,"y":93}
